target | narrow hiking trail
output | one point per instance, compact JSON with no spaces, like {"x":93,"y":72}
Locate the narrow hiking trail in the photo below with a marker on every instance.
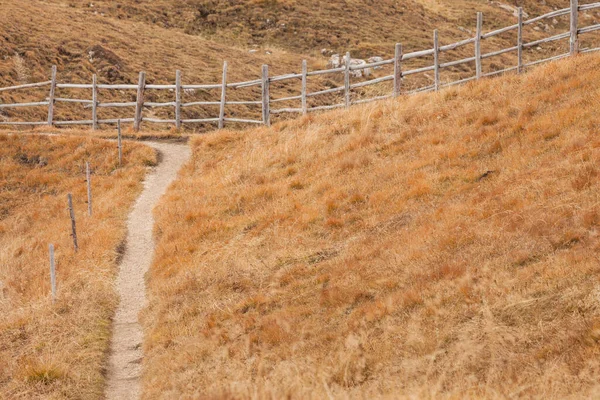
{"x":125,"y":359}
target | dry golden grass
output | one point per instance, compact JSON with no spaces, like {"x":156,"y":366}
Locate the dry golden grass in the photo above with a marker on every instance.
{"x":58,"y":351}
{"x":116,"y":40}
{"x":437,"y":246}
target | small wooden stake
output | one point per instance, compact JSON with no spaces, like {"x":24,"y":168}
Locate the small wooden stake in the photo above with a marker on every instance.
{"x":347,"y":81}
{"x":223,"y":94}
{"x":119,"y":143}
{"x":520,"y":42}
{"x":52,"y":273}
{"x":89,"y":187}
{"x":436,"y":60}
{"x":140,"y":101}
{"x":94,"y":102}
{"x":51,"y":96}
{"x":266,"y":96}
{"x":574,"y":40}
{"x":304,"y":86}
{"x":73,"y":228}
{"x":478,"y":44}
{"x":397,"y":70}
{"x":178,"y":99}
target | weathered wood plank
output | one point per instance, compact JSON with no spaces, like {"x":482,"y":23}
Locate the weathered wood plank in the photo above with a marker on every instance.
{"x":551,"y":14}
{"x":499,"y":52}
{"x":560,"y":36}
{"x":397,"y":70}
{"x":73,"y":226}
{"x":436,"y":60}
{"x":304,"y":86}
{"x":178,"y":99}
{"x":478,"y":45}
{"x":284,"y":99}
{"x":88,"y":179}
{"x":243,"y":121}
{"x":139,"y":105}
{"x":25,"y":86}
{"x":372,"y":82}
{"x":17,"y":105}
{"x":326,"y":91}
{"x":51,"y":96}
{"x":574,"y":39}
{"x":287,"y":110}
{"x":347,"y":81}
{"x":223,"y":94}
{"x":457,"y":62}
{"x":266,"y":96}
{"x":94,"y":102}
{"x":520,"y":41}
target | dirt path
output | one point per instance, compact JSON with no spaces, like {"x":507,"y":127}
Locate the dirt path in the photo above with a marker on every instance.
{"x":125,"y":362}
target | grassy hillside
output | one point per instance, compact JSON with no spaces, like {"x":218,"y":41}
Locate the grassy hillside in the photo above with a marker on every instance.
{"x":116,"y":50}
{"x":309,"y":26}
{"x":58,"y":351}
{"x":437,"y":246}
{"x":118,"y":39}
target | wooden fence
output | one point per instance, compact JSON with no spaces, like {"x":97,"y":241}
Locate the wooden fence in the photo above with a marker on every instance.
{"x":264,"y":82}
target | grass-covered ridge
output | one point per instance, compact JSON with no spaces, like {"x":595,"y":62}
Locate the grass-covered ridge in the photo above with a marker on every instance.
{"x":58,"y":351}
{"x":432,"y":246}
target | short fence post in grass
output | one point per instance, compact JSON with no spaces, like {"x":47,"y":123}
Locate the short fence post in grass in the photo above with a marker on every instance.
{"x":140,"y":101}
{"x":266,"y":112}
{"x":397,"y":70}
{"x":347,"y":81}
{"x":304,"y":86}
{"x":52,"y":273}
{"x":72,"y":215}
{"x":520,"y":42}
{"x":119,"y":143}
{"x":94,"y":102}
{"x":478,"y":45}
{"x":51,"y":96}
{"x":574,"y":40}
{"x":89,"y":187}
{"x":223,"y":93}
{"x":178,"y":99}
{"x":436,"y":60}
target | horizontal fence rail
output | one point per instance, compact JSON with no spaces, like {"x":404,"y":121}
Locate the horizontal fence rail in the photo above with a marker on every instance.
{"x":347,"y":90}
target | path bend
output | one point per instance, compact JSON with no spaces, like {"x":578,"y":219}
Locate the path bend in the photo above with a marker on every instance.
{"x":125,"y":359}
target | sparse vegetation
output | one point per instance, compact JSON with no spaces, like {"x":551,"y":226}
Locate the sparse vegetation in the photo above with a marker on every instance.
{"x":58,"y":351}
{"x":440,"y":246}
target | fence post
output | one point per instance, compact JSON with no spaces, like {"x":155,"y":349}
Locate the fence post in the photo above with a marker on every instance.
{"x":178,"y":99}
{"x":266,"y":112}
{"x":520,"y":42}
{"x":51,"y":96}
{"x":397,"y":70}
{"x":72,"y":215}
{"x":478,"y":45}
{"x":52,"y":273}
{"x":436,"y":60}
{"x":140,"y":101}
{"x":119,"y":144}
{"x":89,"y":187}
{"x":304,"y":86}
{"x":223,"y":91}
{"x":94,"y":102}
{"x":574,"y":41}
{"x":347,"y":81}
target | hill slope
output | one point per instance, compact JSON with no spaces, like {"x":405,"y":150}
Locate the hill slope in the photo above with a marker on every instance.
{"x":442,"y":245}
{"x":58,"y":351}
{"x":116,"y":40}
